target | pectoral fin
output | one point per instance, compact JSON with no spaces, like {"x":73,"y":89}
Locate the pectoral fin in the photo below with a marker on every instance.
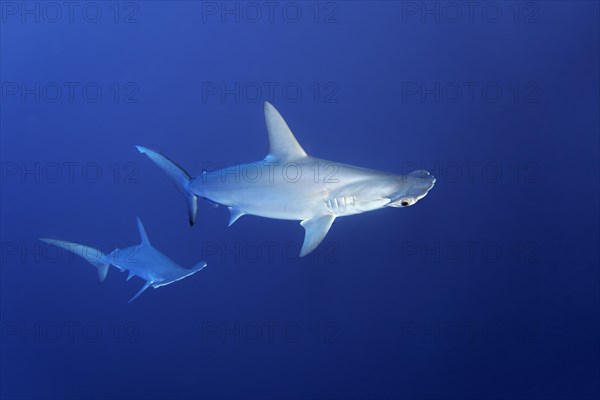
{"x":146,"y":286}
{"x":315,"y":231}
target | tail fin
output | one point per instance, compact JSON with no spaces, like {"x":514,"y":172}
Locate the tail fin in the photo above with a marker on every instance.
{"x":178,"y":176}
{"x":91,"y":255}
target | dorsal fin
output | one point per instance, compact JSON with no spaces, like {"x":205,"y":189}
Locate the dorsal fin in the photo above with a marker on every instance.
{"x":143,"y":235}
{"x":282,"y":143}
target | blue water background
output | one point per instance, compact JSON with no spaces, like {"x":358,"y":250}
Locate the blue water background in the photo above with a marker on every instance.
{"x":487,"y":288}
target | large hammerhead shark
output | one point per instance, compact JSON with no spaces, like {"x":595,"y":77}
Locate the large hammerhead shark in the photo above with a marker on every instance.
{"x":142,"y":260}
{"x":291,"y":185}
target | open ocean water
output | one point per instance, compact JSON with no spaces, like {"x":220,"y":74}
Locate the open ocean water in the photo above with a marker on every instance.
{"x":488,"y":288}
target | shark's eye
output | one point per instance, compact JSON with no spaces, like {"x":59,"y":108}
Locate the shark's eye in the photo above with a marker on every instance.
{"x":404,"y":203}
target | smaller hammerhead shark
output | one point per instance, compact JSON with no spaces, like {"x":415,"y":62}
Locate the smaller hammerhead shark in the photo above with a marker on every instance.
{"x":142,"y":260}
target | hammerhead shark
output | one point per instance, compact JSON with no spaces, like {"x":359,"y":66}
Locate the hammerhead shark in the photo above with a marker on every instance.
{"x":143,"y":261}
{"x":289,"y":184}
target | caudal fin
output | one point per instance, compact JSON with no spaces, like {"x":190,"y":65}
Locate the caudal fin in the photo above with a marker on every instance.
{"x":178,"y":176}
{"x":91,"y":255}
